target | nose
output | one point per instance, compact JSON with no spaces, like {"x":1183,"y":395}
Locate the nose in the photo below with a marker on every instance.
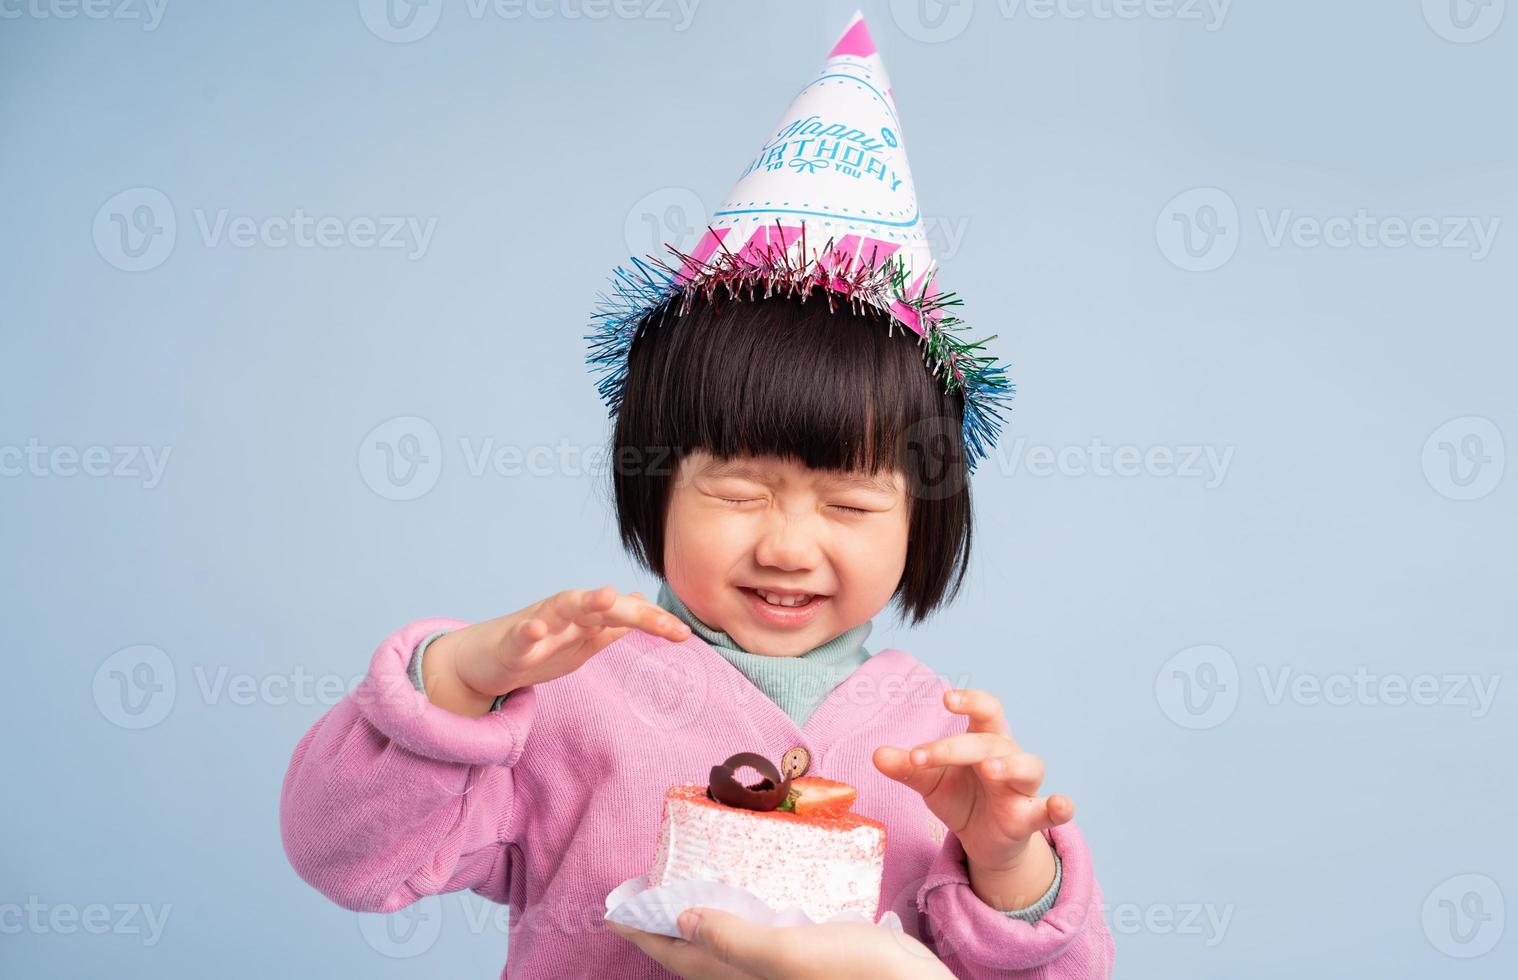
{"x":787,"y":543}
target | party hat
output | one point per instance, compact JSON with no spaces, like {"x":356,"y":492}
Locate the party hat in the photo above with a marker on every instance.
{"x":827,"y":201}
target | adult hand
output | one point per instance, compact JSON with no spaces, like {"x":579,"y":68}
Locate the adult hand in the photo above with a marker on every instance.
{"x":722,"y":946}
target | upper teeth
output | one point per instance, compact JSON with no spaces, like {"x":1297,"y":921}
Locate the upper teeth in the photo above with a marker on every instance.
{"x":779,"y":600}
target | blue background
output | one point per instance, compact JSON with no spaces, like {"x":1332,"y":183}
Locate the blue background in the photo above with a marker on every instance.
{"x":1053,"y":146}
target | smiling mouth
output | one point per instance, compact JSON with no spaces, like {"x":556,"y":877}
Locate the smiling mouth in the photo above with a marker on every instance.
{"x":780,"y":616}
{"x":782,"y":600}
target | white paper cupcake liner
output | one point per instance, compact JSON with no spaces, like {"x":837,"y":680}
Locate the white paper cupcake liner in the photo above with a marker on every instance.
{"x":655,"y":910}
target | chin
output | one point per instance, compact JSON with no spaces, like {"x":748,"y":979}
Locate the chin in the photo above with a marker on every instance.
{"x":781,"y":647}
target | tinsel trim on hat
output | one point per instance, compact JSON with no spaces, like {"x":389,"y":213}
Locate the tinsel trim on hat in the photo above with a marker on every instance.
{"x":648,"y":284}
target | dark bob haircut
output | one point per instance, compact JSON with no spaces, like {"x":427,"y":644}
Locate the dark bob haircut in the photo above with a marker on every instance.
{"x":787,"y":376}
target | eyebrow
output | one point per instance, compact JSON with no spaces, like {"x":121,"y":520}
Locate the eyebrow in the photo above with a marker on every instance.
{"x":759,"y":473}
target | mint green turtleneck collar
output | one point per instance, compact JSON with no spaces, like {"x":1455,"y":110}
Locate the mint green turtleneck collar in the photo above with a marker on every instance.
{"x":797,"y":684}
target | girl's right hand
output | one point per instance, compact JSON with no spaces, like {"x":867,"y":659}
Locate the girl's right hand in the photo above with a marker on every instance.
{"x":466,"y":670}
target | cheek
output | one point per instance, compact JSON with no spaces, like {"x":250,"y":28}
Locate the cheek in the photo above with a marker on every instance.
{"x":700,"y":542}
{"x":876,"y":559}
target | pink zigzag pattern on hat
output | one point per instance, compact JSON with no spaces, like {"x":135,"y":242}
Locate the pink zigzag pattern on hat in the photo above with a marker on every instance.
{"x":862,"y":272}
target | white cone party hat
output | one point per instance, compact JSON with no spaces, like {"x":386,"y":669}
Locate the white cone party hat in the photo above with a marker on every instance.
{"x":826,"y":201}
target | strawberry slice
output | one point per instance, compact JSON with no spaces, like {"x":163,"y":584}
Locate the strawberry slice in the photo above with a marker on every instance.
{"x":815,"y":796}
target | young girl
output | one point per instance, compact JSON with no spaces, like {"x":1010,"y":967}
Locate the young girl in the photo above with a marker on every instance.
{"x":788,"y":464}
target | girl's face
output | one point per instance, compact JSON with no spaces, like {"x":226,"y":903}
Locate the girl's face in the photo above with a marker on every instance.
{"x":761,"y":523}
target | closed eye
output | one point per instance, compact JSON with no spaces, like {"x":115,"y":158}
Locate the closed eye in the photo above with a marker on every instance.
{"x":846,"y":509}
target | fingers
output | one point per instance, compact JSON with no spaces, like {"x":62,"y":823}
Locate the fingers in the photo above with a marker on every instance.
{"x":1033,"y":815}
{"x":737,"y":942}
{"x":659,"y":947}
{"x":679,"y":956}
{"x":1018,"y":773}
{"x":963,"y":750}
{"x":604,"y":607}
{"x":982,"y":707}
{"x":897,"y":764}
{"x":1012,"y":771}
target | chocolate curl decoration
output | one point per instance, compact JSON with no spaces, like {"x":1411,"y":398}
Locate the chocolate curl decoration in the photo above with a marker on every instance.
{"x":767,"y":794}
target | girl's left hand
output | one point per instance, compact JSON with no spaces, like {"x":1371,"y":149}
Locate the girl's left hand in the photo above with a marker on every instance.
{"x":985,"y":788}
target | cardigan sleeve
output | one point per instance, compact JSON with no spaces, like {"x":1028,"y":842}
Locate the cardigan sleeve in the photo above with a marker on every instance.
{"x":1070,"y":941}
{"x":414,"y":671}
{"x":1045,"y":902}
{"x":389,"y":798}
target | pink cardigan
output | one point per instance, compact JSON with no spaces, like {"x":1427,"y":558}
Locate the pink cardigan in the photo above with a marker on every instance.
{"x":552,"y":801}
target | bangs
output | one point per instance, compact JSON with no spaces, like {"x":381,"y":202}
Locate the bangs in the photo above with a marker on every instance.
{"x":835,"y":388}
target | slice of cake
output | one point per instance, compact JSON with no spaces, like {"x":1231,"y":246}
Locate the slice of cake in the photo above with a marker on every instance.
{"x":791,"y":842}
